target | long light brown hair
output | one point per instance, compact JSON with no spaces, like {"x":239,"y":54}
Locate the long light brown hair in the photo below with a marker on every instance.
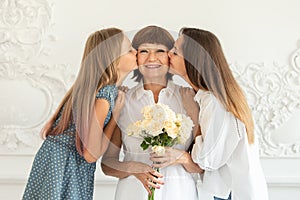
{"x":208,"y":70}
{"x":98,"y":68}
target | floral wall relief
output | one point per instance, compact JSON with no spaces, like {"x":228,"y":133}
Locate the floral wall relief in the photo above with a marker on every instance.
{"x":30,"y":88}
{"x":274,"y":96}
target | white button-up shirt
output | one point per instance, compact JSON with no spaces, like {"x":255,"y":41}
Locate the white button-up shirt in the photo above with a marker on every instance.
{"x":136,"y":99}
{"x":231,"y":164}
{"x":179,"y":184}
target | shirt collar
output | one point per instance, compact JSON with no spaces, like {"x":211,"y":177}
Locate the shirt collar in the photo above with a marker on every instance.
{"x":140,"y":91}
{"x":198,"y":95}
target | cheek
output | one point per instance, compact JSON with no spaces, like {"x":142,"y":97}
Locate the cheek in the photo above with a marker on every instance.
{"x":126,"y":61}
{"x":178,"y":65}
{"x":141,"y":59}
{"x":141,"y":70}
{"x":175,"y":62}
{"x":165,"y":60}
{"x":133,"y":58}
{"x":182,"y":65}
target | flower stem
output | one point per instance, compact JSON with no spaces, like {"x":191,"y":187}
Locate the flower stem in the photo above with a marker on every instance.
{"x":151,"y":196}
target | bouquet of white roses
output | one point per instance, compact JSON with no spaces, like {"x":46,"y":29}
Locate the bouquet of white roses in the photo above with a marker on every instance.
{"x":161,"y":127}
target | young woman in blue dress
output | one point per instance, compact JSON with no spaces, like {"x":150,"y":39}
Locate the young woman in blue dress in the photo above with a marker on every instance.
{"x":80,"y":130}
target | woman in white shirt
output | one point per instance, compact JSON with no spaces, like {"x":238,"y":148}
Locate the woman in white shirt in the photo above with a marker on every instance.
{"x":227,"y":149}
{"x":134,"y":171}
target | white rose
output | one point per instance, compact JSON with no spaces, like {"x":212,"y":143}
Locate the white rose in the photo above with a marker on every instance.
{"x":159,"y":150}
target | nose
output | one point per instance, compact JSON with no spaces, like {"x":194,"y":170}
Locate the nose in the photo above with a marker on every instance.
{"x":152,"y":56}
{"x":134,"y":51}
{"x":170,"y":53}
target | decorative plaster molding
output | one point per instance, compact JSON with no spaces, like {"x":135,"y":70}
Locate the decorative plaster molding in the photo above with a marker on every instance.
{"x":24,"y":31}
{"x":274,"y":95}
{"x":52,"y":83}
{"x":24,"y":27}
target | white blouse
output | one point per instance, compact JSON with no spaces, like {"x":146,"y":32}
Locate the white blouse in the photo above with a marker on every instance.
{"x":231,"y":164}
{"x":179,"y":184}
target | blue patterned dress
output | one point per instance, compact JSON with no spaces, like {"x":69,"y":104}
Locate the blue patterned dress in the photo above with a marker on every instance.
{"x":58,"y":171}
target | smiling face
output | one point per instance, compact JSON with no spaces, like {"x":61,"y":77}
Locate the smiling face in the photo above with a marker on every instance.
{"x":177,"y":65}
{"x":153,"y":60}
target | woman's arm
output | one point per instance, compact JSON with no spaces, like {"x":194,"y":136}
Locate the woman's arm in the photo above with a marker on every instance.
{"x":98,"y":140}
{"x":113,"y":167}
{"x":110,"y":163}
{"x":219,"y":136}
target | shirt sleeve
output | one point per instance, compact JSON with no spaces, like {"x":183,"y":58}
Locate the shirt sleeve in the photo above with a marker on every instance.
{"x":105,"y":93}
{"x":220,"y":134}
{"x":109,"y":93}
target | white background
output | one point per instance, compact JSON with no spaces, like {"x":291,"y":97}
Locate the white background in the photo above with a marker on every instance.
{"x":41,"y":45}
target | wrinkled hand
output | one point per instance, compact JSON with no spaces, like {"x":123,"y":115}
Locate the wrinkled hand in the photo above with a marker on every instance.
{"x":123,"y":88}
{"x":171,"y":156}
{"x":191,"y":107}
{"x":147,"y":175}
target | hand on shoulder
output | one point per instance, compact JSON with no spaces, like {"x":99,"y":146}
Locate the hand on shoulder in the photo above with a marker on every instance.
{"x":189,"y":104}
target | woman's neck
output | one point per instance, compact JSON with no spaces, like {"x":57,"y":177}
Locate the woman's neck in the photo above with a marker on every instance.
{"x":155,"y":87}
{"x":120,"y":79}
{"x":186,"y":78}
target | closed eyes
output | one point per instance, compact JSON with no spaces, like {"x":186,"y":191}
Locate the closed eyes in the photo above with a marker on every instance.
{"x":149,"y":50}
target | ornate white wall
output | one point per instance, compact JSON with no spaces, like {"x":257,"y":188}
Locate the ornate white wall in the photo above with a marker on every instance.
{"x":274,"y":96}
{"x":41,"y":42}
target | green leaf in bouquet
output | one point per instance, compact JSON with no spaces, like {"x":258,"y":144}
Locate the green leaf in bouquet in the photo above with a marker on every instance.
{"x":144,"y":145}
{"x":169,"y":143}
{"x":156,"y":137}
{"x":163,"y":136}
{"x":148,"y":139}
{"x":155,"y":141}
